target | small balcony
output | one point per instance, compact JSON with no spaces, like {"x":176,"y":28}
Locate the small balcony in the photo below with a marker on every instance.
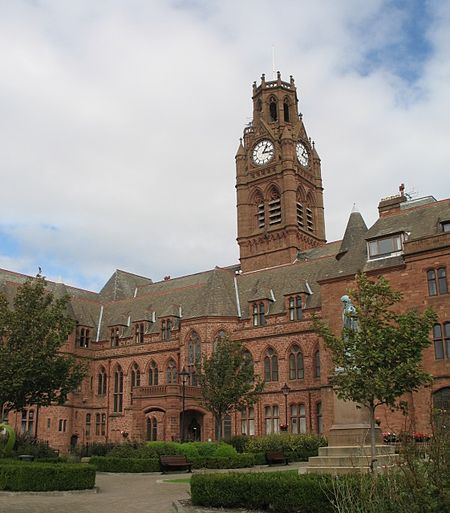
{"x":151,"y":391}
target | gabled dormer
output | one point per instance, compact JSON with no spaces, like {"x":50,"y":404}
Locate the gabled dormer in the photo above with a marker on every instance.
{"x":83,"y":335}
{"x":259,"y":304}
{"x":170,"y":321}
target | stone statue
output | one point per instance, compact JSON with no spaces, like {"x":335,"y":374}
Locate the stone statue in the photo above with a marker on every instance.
{"x":348,"y":314}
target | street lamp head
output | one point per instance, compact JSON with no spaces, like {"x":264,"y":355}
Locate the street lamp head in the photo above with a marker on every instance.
{"x":285,"y":389}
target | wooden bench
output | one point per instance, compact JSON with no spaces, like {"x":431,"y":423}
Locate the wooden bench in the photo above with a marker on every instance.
{"x":175,"y":462}
{"x":276,"y":458}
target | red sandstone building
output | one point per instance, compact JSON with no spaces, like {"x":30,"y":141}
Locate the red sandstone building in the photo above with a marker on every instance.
{"x":137,"y":335}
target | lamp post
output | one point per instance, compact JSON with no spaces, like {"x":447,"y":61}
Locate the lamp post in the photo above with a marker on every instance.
{"x":285,"y":389}
{"x":183,"y":374}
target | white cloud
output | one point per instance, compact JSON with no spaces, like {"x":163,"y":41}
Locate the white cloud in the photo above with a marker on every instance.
{"x":120,"y":122}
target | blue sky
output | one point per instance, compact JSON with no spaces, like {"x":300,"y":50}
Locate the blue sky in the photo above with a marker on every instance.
{"x":120,"y":121}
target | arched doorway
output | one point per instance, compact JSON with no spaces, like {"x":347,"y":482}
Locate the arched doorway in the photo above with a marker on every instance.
{"x":192,"y":426}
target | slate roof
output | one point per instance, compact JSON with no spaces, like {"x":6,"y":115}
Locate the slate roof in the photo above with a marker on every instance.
{"x":224,"y":292}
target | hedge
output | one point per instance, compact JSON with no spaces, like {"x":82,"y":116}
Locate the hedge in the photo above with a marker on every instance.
{"x":236,"y":461}
{"x":296,"y":447}
{"x":283,"y":492}
{"x":46,"y":477}
{"x":112,"y":464}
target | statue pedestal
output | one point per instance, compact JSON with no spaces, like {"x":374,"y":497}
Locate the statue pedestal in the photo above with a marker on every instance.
{"x":349,"y":443}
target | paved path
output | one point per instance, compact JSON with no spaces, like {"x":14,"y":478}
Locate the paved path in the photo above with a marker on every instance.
{"x":118,"y":493}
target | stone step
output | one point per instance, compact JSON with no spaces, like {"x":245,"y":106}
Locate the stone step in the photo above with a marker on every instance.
{"x":355,"y":451}
{"x":351,"y":461}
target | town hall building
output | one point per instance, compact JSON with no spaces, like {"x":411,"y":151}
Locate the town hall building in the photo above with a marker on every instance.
{"x":141,"y":339}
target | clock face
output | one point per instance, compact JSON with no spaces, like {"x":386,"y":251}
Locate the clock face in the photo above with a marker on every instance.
{"x":302,"y":154}
{"x":263,"y":152}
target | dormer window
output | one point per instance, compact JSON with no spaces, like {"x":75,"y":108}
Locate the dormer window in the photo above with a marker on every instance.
{"x":139,"y":329}
{"x":385,"y":246}
{"x":445,"y":225}
{"x":295,"y":308}
{"x":83,"y":337}
{"x":259,"y":318}
{"x":115,"y":335}
{"x":166,"y":329}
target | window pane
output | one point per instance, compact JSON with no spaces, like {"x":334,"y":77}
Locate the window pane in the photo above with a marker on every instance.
{"x":442,"y":280}
{"x":439,"y":349}
{"x":437,"y":331}
{"x":302,"y":425}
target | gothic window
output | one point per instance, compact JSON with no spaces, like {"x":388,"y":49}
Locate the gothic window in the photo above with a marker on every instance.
{"x":298,"y":418}
{"x":309,"y":220}
{"x":83,"y":337}
{"x":274,"y":207}
{"x":248,"y":421}
{"x":139,"y":330}
{"x":194,"y":355}
{"x":152,"y":429}
{"x":300,"y":213}
{"x":88,"y":424}
{"x":27,"y":423}
{"x":286,"y":110}
{"x":272,"y":419}
{"x":270,"y":365}
{"x":296,"y":365}
{"x":135,"y":376}
{"x":295,"y":308}
{"x":62,"y":425}
{"x":97,"y":423}
{"x":317,"y":364}
{"x":115,"y":334}
{"x":101,"y":389}
{"x":273,"y":109}
{"x":171,"y":373}
{"x":319,"y":419}
{"x":118,"y":390}
{"x":441,"y":340}
{"x":441,"y":400}
{"x":221,"y":335}
{"x":153,"y":373}
{"x":260,"y":210}
{"x":437,"y":281}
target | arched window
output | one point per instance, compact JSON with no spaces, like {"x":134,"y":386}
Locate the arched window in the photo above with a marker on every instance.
{"x":317,"y":364}
{"x":272,"y":419}
{"x":270,"y":365}
{"x":135,"y":376}
{"x":118,"y":390}
{"x":319,"y":420}
{"x":437,"y":281}
{"x":296,"y":364}
{"x":171,"y":373}
{"x":221,"y":335}
{"x":286,"y":110}
{"x":258,"y":200}
{"x":295,"y":308}
{"x":273,"y":109}
{"x":101,"y":389}
{"x":274,"y":207}
{"x":298,"y":418}
{"x":194,"y":356}
{"x":152,"y":429}
{"x":153,"y":373}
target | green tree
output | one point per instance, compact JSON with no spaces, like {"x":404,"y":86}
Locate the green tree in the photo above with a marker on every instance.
{"x":227,"y":380}
{"x":377,"y":357}
{"x":33,"y":328}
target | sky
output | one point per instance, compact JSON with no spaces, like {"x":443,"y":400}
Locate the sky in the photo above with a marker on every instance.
{"x":120,"y":120}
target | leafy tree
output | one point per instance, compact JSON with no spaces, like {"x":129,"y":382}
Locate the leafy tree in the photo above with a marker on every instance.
{"x":33,"y":371}
{"x":227,"y":380}
{"x":377,"y":357}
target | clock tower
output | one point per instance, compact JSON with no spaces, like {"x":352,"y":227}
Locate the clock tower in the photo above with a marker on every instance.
{"x":278,"y":181}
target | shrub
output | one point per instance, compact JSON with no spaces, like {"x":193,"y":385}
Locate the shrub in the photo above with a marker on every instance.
{"x":296,"y":447}
{"x":46,"y":477}
{"x":110,"y":464}
{"x":164,"y":448}
{"x":239,"y":442}
{"x":95,"y":449}
{"x":26,"y":444}
{"x":283,"y":492}
{"x":216,"y":462}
